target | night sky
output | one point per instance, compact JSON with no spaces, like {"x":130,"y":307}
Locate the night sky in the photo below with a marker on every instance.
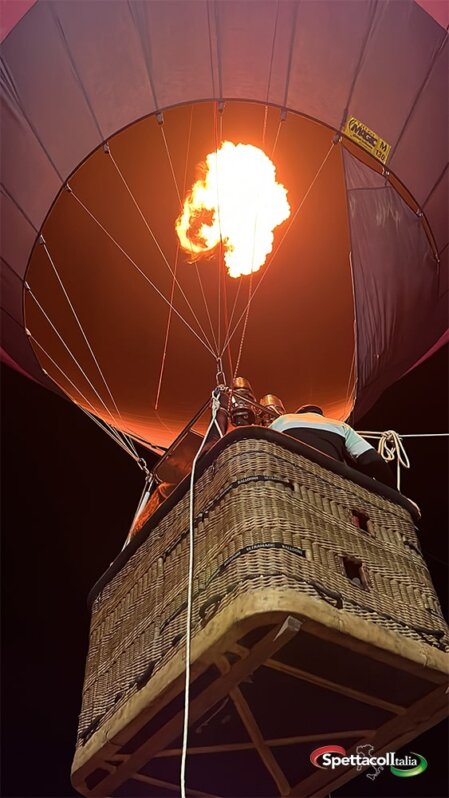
{"x":69,"y":494}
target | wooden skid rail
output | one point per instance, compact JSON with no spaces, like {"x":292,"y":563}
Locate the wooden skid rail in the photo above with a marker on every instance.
{"x":234,"y":663}
{"x":308,"y":588}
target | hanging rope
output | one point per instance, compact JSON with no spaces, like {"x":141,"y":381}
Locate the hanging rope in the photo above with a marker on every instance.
{"x":390,"y":447}
{"x":213,"y":421}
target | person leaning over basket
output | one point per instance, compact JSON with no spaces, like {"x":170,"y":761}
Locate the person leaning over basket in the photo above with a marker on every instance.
{"x":334,"y":438}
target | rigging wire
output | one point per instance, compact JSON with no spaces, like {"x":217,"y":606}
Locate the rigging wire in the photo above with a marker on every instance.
{"x":76,"y":317}
{"x":226,"y":317}
{"x":167,"y":331}
{"x":270,"y":73}
{"x":265,"y":271}
{"x":250,"y":294}
{"x":222,"y":284}
{"x":161,"y":126}
{"x":351,"y":385}
{"x":218,"y":135}
{"x":276,"y":136}
{"x":164,"y":138}
{"x":145,"y":495}
{"x":69,"y":351}
{"x":142,"y":216}
{"x":142,"y":273}
{"x":245,"y":324}
{"x":160,"y":120}
{"x":255,"y":219}
{"x":213,"y":422}
{"x":107,"y":428}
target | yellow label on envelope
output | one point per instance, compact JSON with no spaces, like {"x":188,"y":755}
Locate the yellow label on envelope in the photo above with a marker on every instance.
{"x":367,"y":139}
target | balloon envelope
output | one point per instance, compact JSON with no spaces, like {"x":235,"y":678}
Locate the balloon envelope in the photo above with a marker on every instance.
{"x":353,"y":293}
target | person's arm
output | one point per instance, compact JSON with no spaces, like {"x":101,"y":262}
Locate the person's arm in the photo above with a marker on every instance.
{"x":367,"y":459}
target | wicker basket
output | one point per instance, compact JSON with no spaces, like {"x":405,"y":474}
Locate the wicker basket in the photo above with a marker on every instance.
{"x":304,"y":579}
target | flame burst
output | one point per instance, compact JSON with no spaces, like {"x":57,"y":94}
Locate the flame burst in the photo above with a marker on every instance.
{"x":237,"y":200}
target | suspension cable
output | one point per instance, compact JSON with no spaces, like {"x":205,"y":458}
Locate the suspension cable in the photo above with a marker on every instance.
{"x":68,"y":350}
{"x":245,"y":324}
{"x":160,"y":120}
{"x":145,"y":495}
{"x":81,"y":328}
{"x":270,"y":72}
{"x":120,"y":439}
{"x":167,"y":330}
{"x":165,"y":259}
{"x":218,"y":133}
{"x":248,"y":306}
{"x":103,"y":425}
{"x":350,"y":388}
{"x":142,"y":273}
{"x":269,"y":264}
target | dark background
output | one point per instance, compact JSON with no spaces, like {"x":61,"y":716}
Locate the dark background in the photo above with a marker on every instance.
{"x":69,"y":494}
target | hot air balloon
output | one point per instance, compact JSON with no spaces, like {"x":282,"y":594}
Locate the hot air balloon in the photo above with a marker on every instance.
{"x":112,"y":113}
{"x":104,"y":145}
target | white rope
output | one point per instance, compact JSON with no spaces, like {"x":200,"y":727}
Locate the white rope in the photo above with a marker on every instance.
{"x":390,"y":448}
{"x":426,"y":435}
{"x":215,"y":408}
{"x":378,"y":435}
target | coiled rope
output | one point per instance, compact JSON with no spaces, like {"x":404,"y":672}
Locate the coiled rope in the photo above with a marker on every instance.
{"x":391,"y":447}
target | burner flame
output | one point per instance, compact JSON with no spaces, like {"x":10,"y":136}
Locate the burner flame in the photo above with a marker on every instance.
{"x":237,"y":201}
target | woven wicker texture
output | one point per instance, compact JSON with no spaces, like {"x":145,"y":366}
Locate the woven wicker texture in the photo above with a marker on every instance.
{"x":265,"y":518}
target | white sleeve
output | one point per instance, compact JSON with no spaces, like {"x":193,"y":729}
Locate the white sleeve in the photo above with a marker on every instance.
{"x":355,"y":444}
{"x":277,"y":424}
